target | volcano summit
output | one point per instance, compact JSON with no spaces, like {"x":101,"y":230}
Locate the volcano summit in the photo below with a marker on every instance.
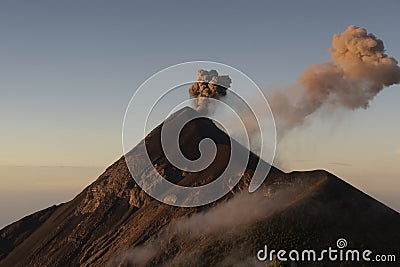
{"x":113,"y":222}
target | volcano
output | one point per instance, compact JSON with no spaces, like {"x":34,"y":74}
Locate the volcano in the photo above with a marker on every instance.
{"x":113,"y":222}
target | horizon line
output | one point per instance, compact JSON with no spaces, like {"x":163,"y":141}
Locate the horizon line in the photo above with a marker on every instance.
{"x":52,"y":166}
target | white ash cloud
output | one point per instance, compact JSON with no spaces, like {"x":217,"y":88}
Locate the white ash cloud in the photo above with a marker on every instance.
{"x":242,"y":210}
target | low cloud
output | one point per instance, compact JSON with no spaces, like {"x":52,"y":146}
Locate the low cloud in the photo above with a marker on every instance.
{"x":243,"y":209}
{"x":340,"y":164}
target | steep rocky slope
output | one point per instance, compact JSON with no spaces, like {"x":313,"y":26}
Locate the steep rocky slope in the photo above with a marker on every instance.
{"x":113,"y":222}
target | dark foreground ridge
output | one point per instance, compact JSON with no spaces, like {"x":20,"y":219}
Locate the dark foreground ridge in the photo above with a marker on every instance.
{"x":113,"y":222}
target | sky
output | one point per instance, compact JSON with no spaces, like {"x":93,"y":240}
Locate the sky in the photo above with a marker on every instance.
{"x":69,"y":68}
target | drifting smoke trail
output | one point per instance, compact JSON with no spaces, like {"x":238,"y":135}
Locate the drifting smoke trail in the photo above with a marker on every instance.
{"x":209,"y":85}
{"x":359,"y":69}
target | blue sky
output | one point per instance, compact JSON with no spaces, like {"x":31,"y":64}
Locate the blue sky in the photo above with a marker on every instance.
{"x":69,"y":68}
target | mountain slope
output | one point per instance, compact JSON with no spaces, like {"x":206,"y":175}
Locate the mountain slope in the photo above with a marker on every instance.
{"x":114,"y":222}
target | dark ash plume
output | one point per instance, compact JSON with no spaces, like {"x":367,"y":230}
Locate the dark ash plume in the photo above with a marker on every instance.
{"x":209,"y":84}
